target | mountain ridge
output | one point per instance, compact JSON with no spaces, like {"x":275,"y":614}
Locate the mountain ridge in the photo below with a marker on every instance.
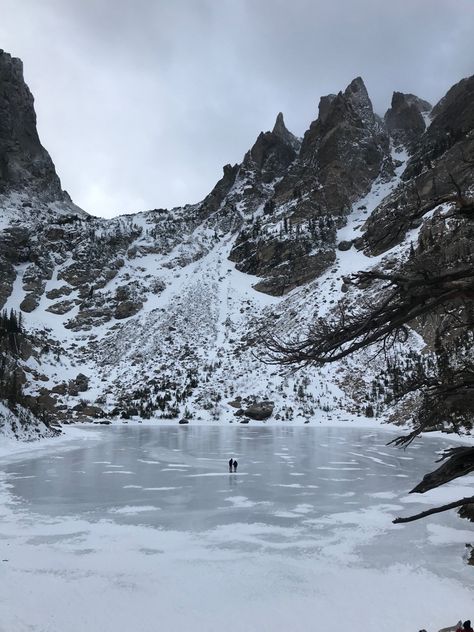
{"x":157,"y":314}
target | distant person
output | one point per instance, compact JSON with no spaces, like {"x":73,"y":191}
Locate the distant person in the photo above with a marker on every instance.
{"x":235,"y":465}
{"x":466,"y":626}
{"x":231,"y":462}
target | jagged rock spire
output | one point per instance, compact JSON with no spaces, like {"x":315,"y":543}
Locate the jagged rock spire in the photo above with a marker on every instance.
{"x":357,"y":95}
{"x":281,"y":131}
{"x":280,"y":128}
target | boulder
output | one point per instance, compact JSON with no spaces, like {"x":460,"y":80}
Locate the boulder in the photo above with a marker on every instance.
{"x":30,"y":302}
{"x":344,"y":245}
{"x":62,"y":307}
{"x":58,"y":292}
{"x":236,"y":403}
{"x":260,"y":410}
{"x":82,"y":382}
{"x":128,"y":308}
{"x":60,"y":389}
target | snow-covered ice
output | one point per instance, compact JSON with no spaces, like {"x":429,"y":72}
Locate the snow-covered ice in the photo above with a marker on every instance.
{"x":179,"y":543}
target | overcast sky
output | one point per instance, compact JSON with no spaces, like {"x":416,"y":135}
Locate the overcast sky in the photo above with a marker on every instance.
{"x":141,"y":102}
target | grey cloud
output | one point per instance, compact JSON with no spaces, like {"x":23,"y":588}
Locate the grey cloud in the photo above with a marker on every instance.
{"x":141,"y":103}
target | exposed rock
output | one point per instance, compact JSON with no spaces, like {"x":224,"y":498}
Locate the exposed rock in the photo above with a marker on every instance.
{"x":272,"y":152}
{"x":72,"y":389}
{"x":236,"y":403}
{"x":406,"y":206}
{"x":60,"y":389}
{"x":61,"y":308}
{"x":30,"y":302}
{"x":125,"y":309}
{"x":405,"y":121}
{"x":79,"y":384}
{"x":284,"y":263}
{"x":280,"y":130}
{"x":23,"y":160}
{"x":452,"y":120}
{"x":90,"y":410}
{"x":260,"y":411}
{"x":215,"y":198}
{"x":344,"y":245}
{"x":90,"y":317}
{"x":82,"y":382}
{"x":342,"y":153}
{"x":58,"y":292}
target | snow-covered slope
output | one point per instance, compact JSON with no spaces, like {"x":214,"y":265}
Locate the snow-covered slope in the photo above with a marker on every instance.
{"x":191,"y":348}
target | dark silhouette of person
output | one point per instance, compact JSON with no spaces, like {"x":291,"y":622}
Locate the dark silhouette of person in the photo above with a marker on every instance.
{"x":231,"y":462}
{"x":465,"y":626}
{"x":235,"y":465}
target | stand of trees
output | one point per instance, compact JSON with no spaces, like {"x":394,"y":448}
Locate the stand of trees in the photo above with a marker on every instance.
{"x":11,"y":329}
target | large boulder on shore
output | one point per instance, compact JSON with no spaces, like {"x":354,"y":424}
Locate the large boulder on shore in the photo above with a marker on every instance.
{"x":260,"y":411}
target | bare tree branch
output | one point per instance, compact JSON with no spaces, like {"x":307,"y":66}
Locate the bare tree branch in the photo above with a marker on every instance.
{"x":430,"y":512}
{"x":460,"y":463}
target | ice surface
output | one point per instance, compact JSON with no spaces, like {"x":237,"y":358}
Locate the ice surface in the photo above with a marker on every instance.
{"x":191,"y":546}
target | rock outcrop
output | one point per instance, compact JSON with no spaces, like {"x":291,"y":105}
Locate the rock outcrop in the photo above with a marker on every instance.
{"x":443,"y":161}
{"x":405,"y":120}
{"x":24,"y":162}
{"x":344,"y":150}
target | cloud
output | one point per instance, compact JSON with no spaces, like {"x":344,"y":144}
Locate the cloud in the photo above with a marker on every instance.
{"x":140,"y":104}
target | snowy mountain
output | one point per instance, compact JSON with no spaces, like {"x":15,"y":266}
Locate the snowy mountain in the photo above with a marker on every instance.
{"x":158,"y":314}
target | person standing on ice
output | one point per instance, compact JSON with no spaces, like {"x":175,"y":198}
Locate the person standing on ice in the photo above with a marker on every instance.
{"x":235,"y":465}
{"x":231,"y":462}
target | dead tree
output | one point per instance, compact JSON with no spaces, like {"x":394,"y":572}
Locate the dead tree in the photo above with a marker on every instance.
{"x":422,"y":287}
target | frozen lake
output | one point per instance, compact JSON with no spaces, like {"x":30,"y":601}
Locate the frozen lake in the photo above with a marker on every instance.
{"x":143,"y":528}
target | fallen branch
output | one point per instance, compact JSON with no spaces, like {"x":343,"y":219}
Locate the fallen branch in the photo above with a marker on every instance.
{"x":429,"y":512}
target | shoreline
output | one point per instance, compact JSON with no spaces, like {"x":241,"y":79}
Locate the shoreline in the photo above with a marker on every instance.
{"x":13,"y":449}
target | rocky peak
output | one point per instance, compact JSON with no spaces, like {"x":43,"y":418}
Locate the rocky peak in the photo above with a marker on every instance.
{"x":272,"y":153}
{"x":405,"y":121}
{"x":281,"y":131}
{"x":24,"y":163}
{"x":351,"y":108}
{"x":356,"y":94}
{"x":452,"y":122}
{"x":345,"y":149}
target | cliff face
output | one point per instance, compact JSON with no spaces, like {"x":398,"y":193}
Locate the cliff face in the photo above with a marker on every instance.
{"x":24,"y":162}
{"x":342,"y":153}
{"x":405,"y":120}
{"x":441,"y":161}
{"x":159,"y":311}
